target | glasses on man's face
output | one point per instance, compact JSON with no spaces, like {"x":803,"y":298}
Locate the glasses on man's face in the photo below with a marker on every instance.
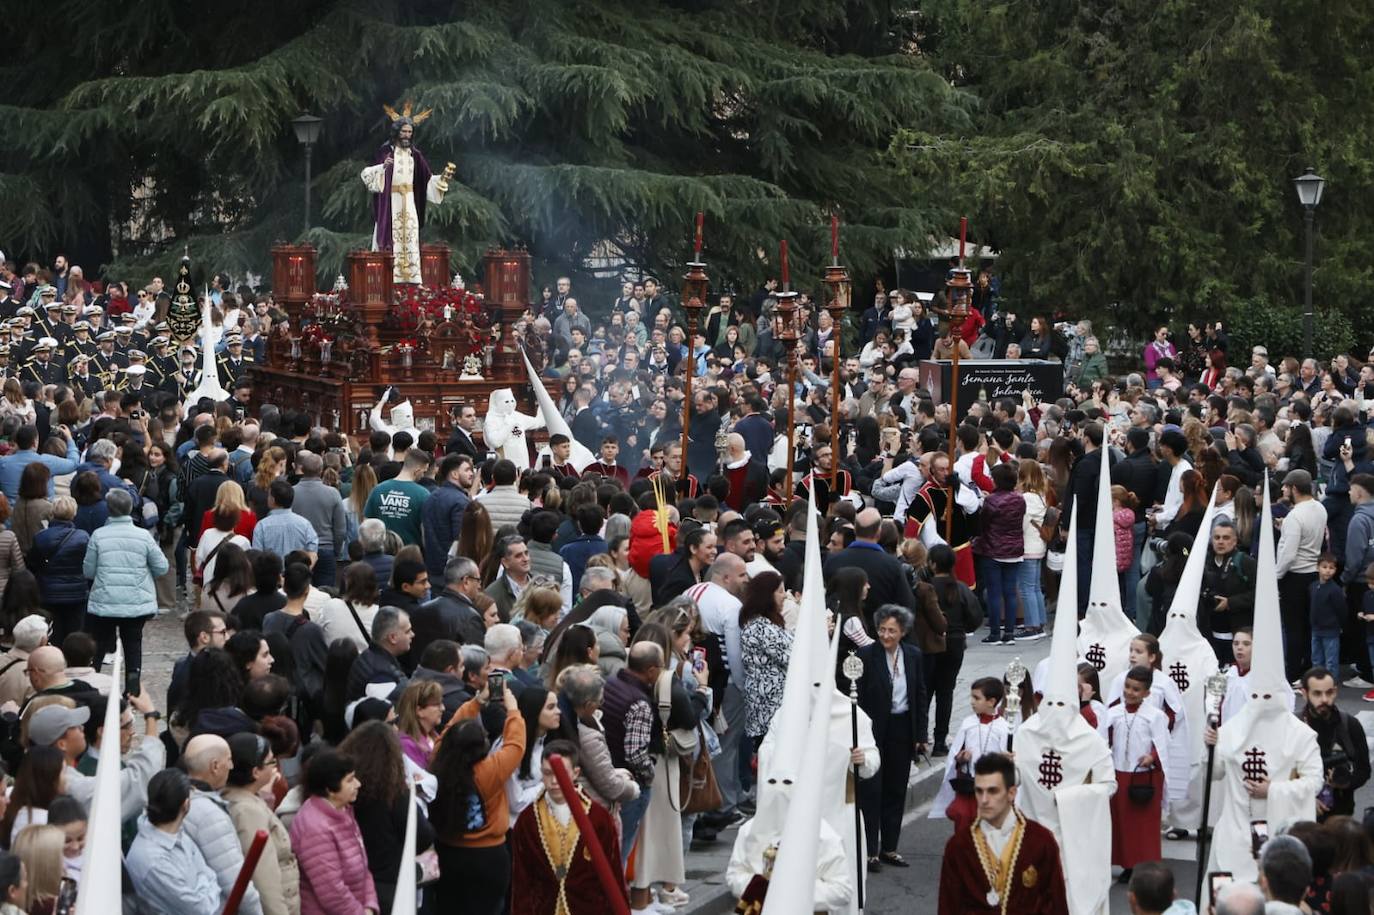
{"x":220,"y":631}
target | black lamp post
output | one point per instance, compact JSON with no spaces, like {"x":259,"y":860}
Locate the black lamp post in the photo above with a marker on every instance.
{"x":307,"y":128}
{"x":1309,"y":185}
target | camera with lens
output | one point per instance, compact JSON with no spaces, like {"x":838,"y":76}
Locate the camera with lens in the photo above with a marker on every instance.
{"x":1339,"y":768}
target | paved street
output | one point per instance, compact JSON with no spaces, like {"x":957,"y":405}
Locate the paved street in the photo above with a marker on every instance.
{"x":163,"y":644}
{"x":914,"y":891}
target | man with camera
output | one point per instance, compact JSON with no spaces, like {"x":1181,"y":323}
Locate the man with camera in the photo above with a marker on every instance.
{"x":1345,"y":753}
{"x":1227,"y":601}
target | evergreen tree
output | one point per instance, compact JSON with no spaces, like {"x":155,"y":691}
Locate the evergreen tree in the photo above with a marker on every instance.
{"x":1134,"y":160}
{"x":590,"y":130}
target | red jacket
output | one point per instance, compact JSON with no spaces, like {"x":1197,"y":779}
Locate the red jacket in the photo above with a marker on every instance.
{"x":646,"y":541}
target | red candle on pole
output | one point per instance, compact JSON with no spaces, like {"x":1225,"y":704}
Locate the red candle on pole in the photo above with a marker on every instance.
{"x":963,"y":232}
{"x":701,"y":218}
{"x":786,"y":282}
{"x":834,"y":238}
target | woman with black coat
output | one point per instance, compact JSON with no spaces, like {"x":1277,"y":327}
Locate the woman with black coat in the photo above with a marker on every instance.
{"x":383,"y":805}
{"x":55,"y":560}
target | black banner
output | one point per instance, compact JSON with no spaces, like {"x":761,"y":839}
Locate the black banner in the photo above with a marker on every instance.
{"x":989,"y":379}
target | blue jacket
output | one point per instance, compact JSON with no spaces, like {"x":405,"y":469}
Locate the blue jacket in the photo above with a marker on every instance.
{"x":576,"y":553}
{"x":122,"y":562}
{"x":56,"y":560}
{"x":91,"y":518}
{"x":12,"y":468}
{"x":441,"y":517}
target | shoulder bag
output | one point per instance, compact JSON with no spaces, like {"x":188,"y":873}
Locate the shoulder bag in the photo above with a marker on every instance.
{"x":697,"y":785}
{"x":681,"y":743}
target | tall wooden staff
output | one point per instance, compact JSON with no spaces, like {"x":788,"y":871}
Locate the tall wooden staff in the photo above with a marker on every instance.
{"x":837,"y":281}
{"x":610,"y":883}
{"x":694,"y":286}
{"x":958,"y":297}
{"x":787,"y":312}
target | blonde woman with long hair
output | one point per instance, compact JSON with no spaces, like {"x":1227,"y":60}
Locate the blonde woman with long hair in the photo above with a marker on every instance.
{"x":364,"y":481}
{"x":230,"y":502}
{"x":40,"y":848}
{"x":1034,"y":489}
{"x":418,"y":715}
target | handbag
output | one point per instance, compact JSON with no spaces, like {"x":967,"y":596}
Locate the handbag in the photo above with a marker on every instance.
{"x":962,"y":782}
{"x":697,"y":786}
{"x":150,"y":507}
{"x":1049,"y":528}
{"x":681,"y":743}
{"x":1140,"y":793}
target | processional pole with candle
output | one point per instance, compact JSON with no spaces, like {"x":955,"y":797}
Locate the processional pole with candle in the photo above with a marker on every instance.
{"x":853,"y":669}
{"x":1214,"y":692}
{"x":837,"y":282}
{"x":787,"y":313}
{"x":958,"y":297}
{"x":1016,"y":675}
{"x":694,"y":286}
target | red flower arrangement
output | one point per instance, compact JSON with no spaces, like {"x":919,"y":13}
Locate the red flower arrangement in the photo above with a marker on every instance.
{"x":444,"y":303}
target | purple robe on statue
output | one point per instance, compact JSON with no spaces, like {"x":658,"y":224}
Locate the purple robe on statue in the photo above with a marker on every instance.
{"x":381,"y":203}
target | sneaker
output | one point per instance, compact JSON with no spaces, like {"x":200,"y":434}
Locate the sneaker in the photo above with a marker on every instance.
{"x":1036,"y":634}
{"x":1358,"y":682}
{"x":990,"y":640}
{"x":721,"y":821}
{"x":675,"y":898}
{"x":940,"y":750}
{"x":1008,"y":640}
{"x":1369,"y":696}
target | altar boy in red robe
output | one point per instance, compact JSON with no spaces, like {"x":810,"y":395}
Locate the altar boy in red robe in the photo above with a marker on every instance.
{"x":1002,"y":864}
{"x":551,"y":866}
{"x":1138,"y":734}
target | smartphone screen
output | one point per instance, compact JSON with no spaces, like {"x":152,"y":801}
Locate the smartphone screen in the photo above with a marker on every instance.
{"x":496,"y":687}
{"x":699,"y":659}
{"x":1217,"y":880}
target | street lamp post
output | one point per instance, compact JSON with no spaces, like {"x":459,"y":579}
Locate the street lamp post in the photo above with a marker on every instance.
{"x":307,"y":128}
{"x":1309,"y":186}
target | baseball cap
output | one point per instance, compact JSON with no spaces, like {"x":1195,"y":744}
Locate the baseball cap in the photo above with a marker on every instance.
{"x":1300,"y":478}
{"x":49,"y":723}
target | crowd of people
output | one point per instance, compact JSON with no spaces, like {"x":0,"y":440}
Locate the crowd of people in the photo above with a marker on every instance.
{"x":405,"y":626}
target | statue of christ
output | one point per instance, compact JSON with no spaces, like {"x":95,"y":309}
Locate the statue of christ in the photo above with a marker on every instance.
{"x":400,"y":212}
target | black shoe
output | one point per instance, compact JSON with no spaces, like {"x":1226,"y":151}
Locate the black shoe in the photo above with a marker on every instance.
{"x":1125,"y":876}
{"x":721,"y":821}
{"x":991,"y":640}
{"x":940,"y":750}
{"x":896,"y":860}
{"x":746,"y":807}
{"x":874,"y":865}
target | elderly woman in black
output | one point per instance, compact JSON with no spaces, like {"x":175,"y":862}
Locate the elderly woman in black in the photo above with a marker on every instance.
{"x":892,"y":692}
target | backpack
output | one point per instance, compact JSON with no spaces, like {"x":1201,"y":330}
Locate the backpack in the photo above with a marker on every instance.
{"x":176,"y":509}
